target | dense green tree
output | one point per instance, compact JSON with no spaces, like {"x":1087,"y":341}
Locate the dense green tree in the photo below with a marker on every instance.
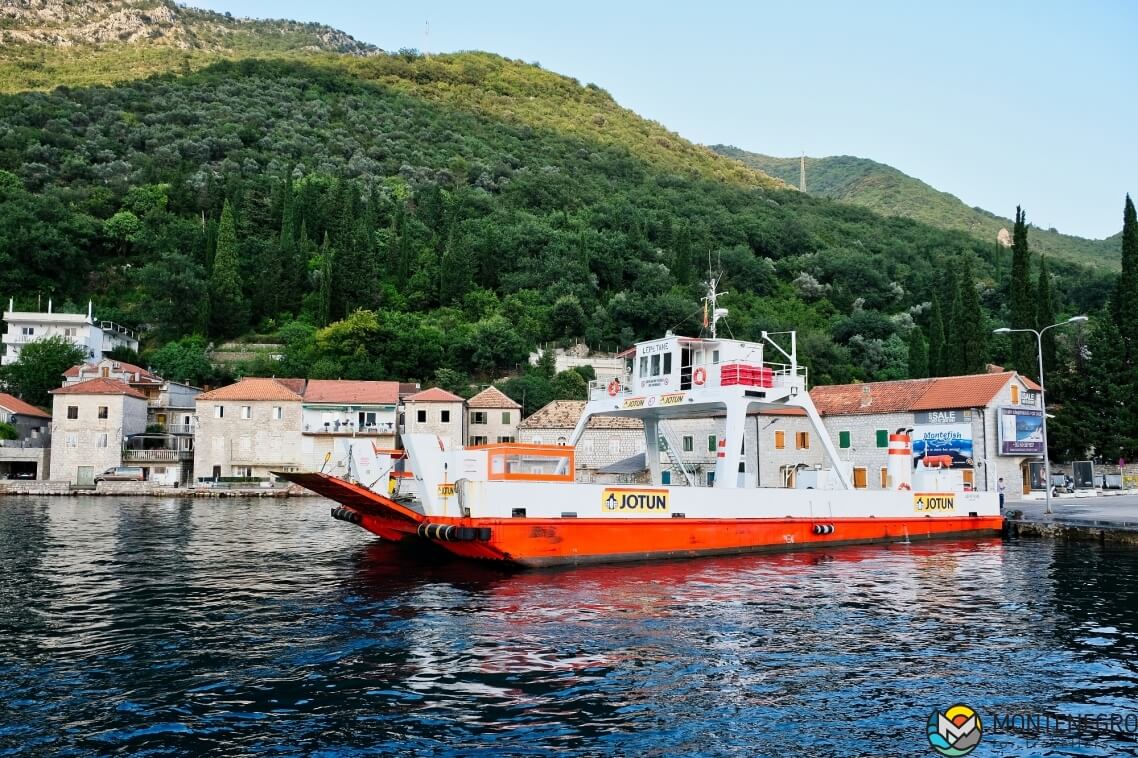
{"x":569,"y":385}
{"x":183,"y":360}
{"x":1021,"y":300}
{"x":1125,"y":299}
{"x":40,"y":368}
{"x":969,"y":336}
{"x":1045,"y":316}
{"x":918,"y":354}
{"x":228,"y":313}
{"x":937,"y":346}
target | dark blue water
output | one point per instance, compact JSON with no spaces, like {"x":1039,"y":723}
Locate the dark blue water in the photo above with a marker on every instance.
{"x":263,"y":627}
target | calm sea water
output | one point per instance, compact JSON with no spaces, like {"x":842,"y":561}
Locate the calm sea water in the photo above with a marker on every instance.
{"x":263,"y":627}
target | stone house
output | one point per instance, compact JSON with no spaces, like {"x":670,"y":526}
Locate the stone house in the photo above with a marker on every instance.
{"x":91,"y":421}
{"x":249,"y":429}
{"x":492,"y":417}
{"x":435,"y":411}
{"x":607,"y":440}
{"x":338,"y":413}
{"x":28,"y":456}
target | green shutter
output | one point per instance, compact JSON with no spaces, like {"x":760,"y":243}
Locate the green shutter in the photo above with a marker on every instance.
{"x":843,"y":439}
{"x":883,"y":438}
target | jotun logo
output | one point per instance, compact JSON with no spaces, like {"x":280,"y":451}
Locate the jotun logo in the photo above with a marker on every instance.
{"x":956,"y":731}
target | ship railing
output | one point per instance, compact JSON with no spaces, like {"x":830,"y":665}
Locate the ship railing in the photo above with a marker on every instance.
{"x":611,"y":387}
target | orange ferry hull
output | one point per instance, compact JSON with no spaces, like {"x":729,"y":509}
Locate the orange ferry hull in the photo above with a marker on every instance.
{"x":536,"y":542}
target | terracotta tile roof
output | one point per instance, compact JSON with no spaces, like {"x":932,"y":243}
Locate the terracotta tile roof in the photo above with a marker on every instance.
{"x":971,"y":391}
{"x":16,"y":405}
{"x":408,"y":388}
{"x":564,"y":414}
{"x":975,"y":391}
{"x":296,"y":385}
{"x":342,"y":391}
{"x":434,"y":395}
{"x":254,"y":388}
{"x":491,"y":397}
{"x":100,"y":386}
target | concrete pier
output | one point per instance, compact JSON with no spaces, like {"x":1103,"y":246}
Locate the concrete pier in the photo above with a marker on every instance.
{"x":1111,"y":518}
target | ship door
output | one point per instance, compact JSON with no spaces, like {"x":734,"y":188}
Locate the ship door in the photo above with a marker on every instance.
{"x":685,"y":368}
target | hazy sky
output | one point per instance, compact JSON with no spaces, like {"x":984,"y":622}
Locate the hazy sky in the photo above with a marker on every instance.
{"x":1031,"y":103}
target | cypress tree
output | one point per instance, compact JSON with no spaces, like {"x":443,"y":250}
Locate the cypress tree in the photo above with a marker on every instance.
{"x":1045,"y":315}
{"x":918,"y":355}
{"x":1021,"y":301}
{"x":969,"y":335}
{"x":936,"y":339}
{"x":228,"y":312}
{"x":324,"y":301}
{"x":951,"y":359}
{"x":1125,"y":303}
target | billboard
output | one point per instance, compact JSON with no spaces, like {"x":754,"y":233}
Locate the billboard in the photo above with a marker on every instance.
{"x":944,"y":433}
{"x":1021,"y":431}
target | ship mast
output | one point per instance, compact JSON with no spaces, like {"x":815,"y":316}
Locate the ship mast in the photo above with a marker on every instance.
{"x":711,"y":303}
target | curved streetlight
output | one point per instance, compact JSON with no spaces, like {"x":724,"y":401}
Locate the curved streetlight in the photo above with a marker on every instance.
{"x":1042,"y":395}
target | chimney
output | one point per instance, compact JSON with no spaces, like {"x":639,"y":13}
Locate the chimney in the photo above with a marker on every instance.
{"x":866,"y":396}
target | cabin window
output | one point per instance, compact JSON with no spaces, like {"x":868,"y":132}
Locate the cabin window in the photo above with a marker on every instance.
{"x":667,"y":363}
{"x":1015,"y":394}
{"x":715,"y":356}
{"x":367,"y":418}
{"x":860,"y":478}
{"x":689,"y":443}
{"x":712,"y":443}
{"x":802,"y":440}
{"x":102,"y":411}
{"x":656,"y":365}
{"x":882,"y":437}
{"x":779,"y":440}
{"x":421,"y":416}
{"x":27,"y":331}
{"x":644,"y":365}
{"x":884,"y":478}
{"x":844,"y":440}
{"x":73,"y":411}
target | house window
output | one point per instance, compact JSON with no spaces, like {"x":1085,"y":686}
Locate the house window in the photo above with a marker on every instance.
{"x":477,"y":440}
{"x":882,"y":437}
{"x":219,"y":411}
{"x":102,"y":411}
{"x":444,"y":416}
{"x":243,"y":471}
{"x":710,"y":478}
{"x":662,"y":443}
{"x":884,"y":478}
{"x":779,"y":440}
{"x":246,"y":411}
{"x":802,"y":440}
{"x":712,"y":443}
{"x":505,"y":440}
{"x":505,"y":417}
{"x":421,"y":416}
{"x":105,"y":371}
{"x":73,"y":411}
{"x":1015,"y":394}
{"x":278,"y":412}
{"x":860,"y":478}
{"x":478,"y":417}
{"x":27,"y":331}
{"x":69,"y":331}
{"x":844,"y":440}
{"x":101,"y":440}
{"x":72,"y":439}
{"x":689,"y":443}
{"x":367,"y":418}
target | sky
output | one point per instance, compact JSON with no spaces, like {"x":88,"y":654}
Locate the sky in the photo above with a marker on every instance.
{"x":1001,"y":104}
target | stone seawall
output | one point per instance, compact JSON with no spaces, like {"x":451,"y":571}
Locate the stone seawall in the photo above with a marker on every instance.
{"x":128,"y":489}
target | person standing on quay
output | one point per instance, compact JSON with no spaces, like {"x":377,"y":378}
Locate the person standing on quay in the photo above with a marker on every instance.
{"x":1002,"y":489}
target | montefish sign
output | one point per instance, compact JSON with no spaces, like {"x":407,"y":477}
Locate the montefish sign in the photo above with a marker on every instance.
{"x":634,"y":501}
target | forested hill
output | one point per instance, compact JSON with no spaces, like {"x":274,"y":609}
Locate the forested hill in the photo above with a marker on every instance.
{"x":393,"y":216}
{"x":887,"y":191}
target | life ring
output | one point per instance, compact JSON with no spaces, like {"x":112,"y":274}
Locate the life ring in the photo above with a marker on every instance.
{"x":904,"y":486}
{"x":614,"y":387}
{"x":700,"y":376}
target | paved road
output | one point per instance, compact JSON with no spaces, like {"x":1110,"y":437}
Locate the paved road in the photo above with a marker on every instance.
{"x":1117,"y":509}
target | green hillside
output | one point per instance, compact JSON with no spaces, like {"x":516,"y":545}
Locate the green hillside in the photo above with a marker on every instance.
{"x":389,"y":215}
{"x":887,"y":191}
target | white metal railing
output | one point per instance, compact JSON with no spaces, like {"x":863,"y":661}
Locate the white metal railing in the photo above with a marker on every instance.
{"x":156,"y":455}
{"x":613,"y":387}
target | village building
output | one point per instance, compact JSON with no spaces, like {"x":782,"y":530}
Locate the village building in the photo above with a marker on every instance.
{"x":91,"y":421}
{"x":28,"y":455}
{"x":435,"y":411}
{"x":338,"y":413}
{"x":492,"y":417}
{"x":95,"y":337}
{"x":249,"y":429}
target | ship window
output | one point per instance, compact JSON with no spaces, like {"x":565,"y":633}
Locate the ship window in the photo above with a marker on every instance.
{"x":710,"y":478}
{"x":715,"y":356}
{"x":802,"y":440}
{"x":667,"y":363}
{"x":779,"y":440}
{"x":656,"y":365}
{"x":844,"y":440}
{"x":860,"y":475}
{"x":644,"y":365}
{"x":882,"y":437}
{"x":884,"y":478}
{"x":712,"y":443}
{"x":689,"y":443}
{"x":1015,"y":394}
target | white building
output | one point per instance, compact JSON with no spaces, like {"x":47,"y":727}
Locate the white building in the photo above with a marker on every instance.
{"x":492,"y":417}
{"x":91,"y":421}
{"x":97,"y":338}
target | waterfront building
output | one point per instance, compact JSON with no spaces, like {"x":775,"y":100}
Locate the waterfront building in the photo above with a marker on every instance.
{"x":492,"y":417}
{"x":91,"y":421}
{"x":249,"y":429}
{"x":435,"y":411}
{"x":338,"y":413}
{"x":96,"y":337}
{"x":29,"y":454}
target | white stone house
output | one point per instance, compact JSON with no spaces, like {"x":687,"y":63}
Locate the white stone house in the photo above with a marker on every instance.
{"x":249,"y":429}
{"x":91,"y":421}
{"x":97,"y":338}
{"x":492,"y":417}
{"x":339,"y":413}
{"x":435,"y":411}
{"x":27,"y":456}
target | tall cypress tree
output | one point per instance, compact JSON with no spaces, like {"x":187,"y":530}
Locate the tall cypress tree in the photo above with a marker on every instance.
{"x":918,"y":355}
{"x":1021,"y":302}
{"x":228,"y":312}
{"x":969,"y":336}
{"x":1045,"y":315}
{"x":951,"y":360}
{"x":936,"y":339}
{"x":1125,"y":302}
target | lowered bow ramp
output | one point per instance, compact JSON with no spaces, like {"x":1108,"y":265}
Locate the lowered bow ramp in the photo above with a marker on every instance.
{"x":378,"y":514}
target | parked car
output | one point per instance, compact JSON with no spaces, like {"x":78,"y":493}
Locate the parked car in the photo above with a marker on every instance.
{"x":121,"y":474}
{"x":22,"y":475}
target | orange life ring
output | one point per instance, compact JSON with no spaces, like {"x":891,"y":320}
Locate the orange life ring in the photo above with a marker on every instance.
{"x":614,"y":387}
{"x":700,"y":376}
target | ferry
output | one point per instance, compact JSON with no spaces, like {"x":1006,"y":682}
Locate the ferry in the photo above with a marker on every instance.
{"x":520,"y":504}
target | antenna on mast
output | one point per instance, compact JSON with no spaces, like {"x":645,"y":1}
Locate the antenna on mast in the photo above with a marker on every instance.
{"x":711,"y":310}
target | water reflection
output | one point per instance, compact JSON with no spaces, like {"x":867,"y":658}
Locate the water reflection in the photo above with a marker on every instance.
{"x":243,"y":627}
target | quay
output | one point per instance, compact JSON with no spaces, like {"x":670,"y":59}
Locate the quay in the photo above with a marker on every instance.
{"x":1108,"y":518}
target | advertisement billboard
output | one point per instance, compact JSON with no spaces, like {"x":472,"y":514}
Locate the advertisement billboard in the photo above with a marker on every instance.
{"x":1021,"y":431}
{"x":944,"y":434}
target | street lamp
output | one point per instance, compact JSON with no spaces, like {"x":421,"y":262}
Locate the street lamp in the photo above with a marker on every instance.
{"x":1042,"y":399}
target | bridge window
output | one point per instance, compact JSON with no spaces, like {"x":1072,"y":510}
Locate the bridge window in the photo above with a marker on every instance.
{"x":644,"y":365}
{"x":667,"y":363}
{"x":656,"y":365}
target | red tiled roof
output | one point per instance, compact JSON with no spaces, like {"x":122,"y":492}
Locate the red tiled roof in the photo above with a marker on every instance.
{"x":296,"y":385}
{"x":16,"y":405}
{"x":974,"y":391}
{"x":254,"y":388}
{"x":491,"y":397}
{"x":971,"y":391}
{"x":100,"y":386}
{"x":434,"y":395}
{"x":343,"y":391}
{"x":564,"y":414}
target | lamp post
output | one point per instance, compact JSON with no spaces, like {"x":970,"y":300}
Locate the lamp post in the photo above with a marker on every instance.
{"x":1042,"y":396}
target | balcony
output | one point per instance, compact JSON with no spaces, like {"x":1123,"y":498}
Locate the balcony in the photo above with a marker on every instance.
{"x":349,"y":430}
{"x":156,"y":456}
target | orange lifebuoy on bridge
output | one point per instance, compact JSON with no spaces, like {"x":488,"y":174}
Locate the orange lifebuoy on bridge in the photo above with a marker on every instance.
{"x":614,"y":387}
{"x":700,"y":376}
